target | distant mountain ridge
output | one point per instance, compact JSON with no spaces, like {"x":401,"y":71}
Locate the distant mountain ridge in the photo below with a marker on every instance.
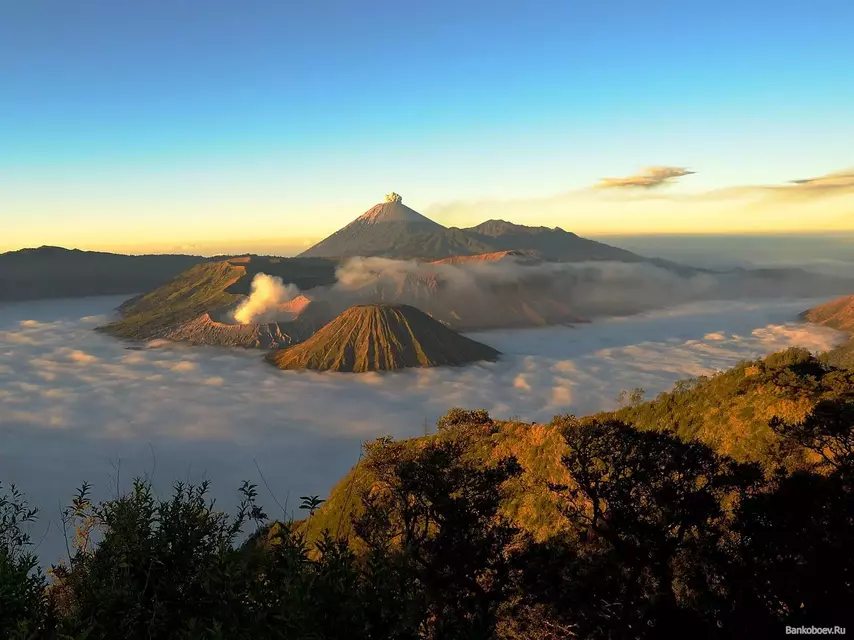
{"x":55,"y":272}
{"x":393,"y":230}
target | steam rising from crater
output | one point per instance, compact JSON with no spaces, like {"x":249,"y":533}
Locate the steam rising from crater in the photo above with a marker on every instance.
{"x":268,"y":293}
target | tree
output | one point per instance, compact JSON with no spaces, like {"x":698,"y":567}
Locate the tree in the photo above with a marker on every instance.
{"x":648,"y":512}
{"x":828,"y":431}
{"x":23,"y":599}
{"x":438,"y":515}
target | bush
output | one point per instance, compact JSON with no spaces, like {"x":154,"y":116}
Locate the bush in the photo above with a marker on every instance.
{"x":667,"y":538}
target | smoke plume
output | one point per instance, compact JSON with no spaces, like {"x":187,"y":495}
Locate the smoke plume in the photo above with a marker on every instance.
{"x":262,"y":305}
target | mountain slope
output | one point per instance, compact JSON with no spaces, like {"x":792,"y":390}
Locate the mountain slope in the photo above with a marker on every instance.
{"x":548,"y":244}
{"x":837,"y":314}
{"x":379,"y":338}
{"x":209,"y":288}
{"x":392,"y":230}
{"x":731,"y":411}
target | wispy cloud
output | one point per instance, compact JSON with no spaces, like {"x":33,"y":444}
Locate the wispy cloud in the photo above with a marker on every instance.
{"x":647,"y":179}
{"x":635,"y":204}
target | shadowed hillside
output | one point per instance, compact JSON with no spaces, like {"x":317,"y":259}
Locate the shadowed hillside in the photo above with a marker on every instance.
{"x":730,"y":412}
{"x":380,"y":338}
{"x":54,"y":272}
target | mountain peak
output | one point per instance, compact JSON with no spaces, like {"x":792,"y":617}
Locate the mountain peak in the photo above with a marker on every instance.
{"x":393,"y":211}
{"x":495,"y":228}
{"x":378,"y":337}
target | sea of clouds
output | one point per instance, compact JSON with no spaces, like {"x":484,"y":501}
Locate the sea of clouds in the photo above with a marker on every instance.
{"x":592,"y":290}
{"x":77,"y":405}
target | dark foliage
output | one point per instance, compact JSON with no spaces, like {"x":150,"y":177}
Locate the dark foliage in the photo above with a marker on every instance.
{"x":666,"y":538}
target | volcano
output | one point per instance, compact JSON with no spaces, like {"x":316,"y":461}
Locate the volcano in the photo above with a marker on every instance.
{"x":393,"y":230}
{"x":379,"y":337}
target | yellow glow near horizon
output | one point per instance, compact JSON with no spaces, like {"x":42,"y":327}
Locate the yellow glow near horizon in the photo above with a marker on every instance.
{"x":823,"y":204}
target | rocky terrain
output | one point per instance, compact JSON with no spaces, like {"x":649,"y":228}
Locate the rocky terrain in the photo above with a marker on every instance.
{"x":382,"y":337}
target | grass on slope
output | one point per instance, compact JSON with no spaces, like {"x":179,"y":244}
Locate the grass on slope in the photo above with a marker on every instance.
{"x":530,"y":504}
{"x":842,"y":356}
{"x":380,"y":338}
{"x":185,"y":297}
{"x":730,"y":411}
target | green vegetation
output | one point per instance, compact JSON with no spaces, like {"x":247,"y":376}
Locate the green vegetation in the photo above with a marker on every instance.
{"x":377,"y":337}
{"x":841,"y":357}
{"x":582,"y":528}
{"x":731,"y":411}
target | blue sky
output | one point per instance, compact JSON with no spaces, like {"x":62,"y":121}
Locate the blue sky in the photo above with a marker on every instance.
{"x":168,"y":122}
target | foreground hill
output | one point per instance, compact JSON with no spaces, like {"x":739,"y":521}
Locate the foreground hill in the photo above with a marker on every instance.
{"x":382,"y":338}
{"x":586,"y":528}
{"x":54,"y":272}
{"x":209,"y":288}
{"x":729,"y":412}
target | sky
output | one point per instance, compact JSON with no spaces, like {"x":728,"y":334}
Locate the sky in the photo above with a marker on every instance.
{"x":188,"y":125}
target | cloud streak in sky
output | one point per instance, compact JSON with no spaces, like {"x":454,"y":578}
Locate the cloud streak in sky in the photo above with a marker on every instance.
{"x":649,"y":178}
{"x":634,"y":204}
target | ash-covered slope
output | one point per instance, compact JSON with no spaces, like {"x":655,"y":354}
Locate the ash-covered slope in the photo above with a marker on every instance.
{"x":380,"y":338}
{"x":204,"y":330}
{"x":298,"y":322}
